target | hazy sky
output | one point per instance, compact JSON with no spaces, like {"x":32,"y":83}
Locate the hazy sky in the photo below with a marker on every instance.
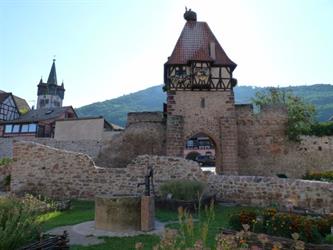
{"x":105,"y":48}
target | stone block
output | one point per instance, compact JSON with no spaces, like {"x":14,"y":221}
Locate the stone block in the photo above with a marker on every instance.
{"x":118,"y":213}
{"x":147,"y":213}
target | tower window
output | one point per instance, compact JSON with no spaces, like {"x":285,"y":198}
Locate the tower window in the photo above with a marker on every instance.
{"x":202,"y":102}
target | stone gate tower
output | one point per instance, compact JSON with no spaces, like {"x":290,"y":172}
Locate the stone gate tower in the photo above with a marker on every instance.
{"x":199,"y":84}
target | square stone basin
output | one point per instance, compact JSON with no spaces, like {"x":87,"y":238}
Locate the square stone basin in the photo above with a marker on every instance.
{"x":118,"y":213}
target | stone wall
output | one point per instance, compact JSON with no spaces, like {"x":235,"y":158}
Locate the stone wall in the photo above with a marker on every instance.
{"x":267,"y":191}
{"x":144,"y":134}
{"x":89,"y":147}
{"x":203,"y":112}
{"x":5,"y":170}
{"x":63,"y":174}
{"x":6,"y":147}
{"x":143,"y":117}
{"x":264,"y":149}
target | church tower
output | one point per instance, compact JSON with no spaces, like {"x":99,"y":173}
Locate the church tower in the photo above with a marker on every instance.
{"x":198,"y":79}
{"x":50,"y":94}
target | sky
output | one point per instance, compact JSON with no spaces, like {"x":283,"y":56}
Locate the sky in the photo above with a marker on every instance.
{"x":105,"y":48}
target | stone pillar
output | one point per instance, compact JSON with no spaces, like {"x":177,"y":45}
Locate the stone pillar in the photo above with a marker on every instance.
{"x":147,"y":213}
{"x":229,"y":145}
{"x":175,"y":136}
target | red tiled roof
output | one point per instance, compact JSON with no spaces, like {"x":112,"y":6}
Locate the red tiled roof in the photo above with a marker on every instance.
{"x":193,"y":44}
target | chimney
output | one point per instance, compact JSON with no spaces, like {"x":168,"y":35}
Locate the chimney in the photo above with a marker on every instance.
{"x":212,"y":50}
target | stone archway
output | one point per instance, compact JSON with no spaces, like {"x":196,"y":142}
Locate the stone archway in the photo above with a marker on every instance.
{"x":202,"y":148}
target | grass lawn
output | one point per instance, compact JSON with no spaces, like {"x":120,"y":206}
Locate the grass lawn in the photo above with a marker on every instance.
{"x":221,"y":220}
{"x":80,"y":211}
{"x":84,"y":211}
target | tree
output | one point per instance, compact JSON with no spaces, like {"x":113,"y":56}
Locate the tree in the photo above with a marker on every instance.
{"x":301,"y":115}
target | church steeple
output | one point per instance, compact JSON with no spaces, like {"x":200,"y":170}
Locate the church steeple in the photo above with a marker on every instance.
{"x":50,"y":94}
{"x":53,"y":75}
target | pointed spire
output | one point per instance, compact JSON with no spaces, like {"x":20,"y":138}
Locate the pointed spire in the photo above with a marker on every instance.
{"x":41,"y":80}
{"x":53,"y":75}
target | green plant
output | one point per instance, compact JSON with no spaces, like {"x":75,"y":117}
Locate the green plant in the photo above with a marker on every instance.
{"x":329,"y":239}
{"x":309,"y":229}
{"x":5,"y":161}
{"x":321,"y":129}
{"x":301,"y":115}
{"x":323,"y":176}
{"x":6,"y":181}
{"x":182,"y":189}
{"x":18,"y":223}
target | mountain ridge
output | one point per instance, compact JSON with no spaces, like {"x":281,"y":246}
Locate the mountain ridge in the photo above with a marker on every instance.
{"x":151,"y":99}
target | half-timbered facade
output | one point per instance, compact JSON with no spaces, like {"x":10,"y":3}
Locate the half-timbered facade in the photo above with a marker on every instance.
{"x":36,"y":123}
{"x":198,"y":62}
{"x":8,"y":108}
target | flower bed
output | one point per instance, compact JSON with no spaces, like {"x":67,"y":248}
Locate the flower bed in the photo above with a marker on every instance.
{"x":310,"y":229}
{"x":323,"y":176}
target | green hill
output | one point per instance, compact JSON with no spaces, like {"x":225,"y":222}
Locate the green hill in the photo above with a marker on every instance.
{"x":151,"y":99}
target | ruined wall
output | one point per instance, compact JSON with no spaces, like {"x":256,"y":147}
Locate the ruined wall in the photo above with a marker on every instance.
{"x":208,"y":112}
{"x":264,"y":149}
{"x":268,"y":191}
{"x":63,"y":174}
{"x":144,"y":134}
{"x":89,"y":147}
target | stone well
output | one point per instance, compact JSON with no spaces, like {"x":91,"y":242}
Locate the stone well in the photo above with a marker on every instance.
{"x":118,"y":213}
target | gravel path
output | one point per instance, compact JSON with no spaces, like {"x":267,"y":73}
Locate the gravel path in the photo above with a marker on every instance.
{"x":85,"y":233}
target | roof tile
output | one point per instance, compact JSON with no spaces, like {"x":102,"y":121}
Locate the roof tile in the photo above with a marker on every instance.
{"x":193,"y":45}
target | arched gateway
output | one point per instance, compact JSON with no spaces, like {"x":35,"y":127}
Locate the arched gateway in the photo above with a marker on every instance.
{"x":201,"y":148}
{"x":198,"y":78}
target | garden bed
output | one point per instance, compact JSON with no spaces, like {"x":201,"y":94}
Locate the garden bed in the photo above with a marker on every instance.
{"x":174,"y":204}
{"x":253,"y":239}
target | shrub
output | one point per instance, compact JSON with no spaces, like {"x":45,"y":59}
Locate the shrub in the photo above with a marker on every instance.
{"x":182,"y":189}
{"x":324,"y":176}
{"x":329,"y":239}
{"x":321,"y":129}
{"x":300,"y":113}
{"x":18,"y":223}
{"x":5,"y":161}
{"x":237,"y":221}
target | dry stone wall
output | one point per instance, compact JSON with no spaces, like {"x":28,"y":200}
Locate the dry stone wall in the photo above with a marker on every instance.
{"x":266,"y":191}
{"x":64,"y":174}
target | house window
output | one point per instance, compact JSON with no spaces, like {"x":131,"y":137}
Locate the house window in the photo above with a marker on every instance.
{"x":32,"y":127}
{"x":25,"y":128}
{"x":8,"y":128}
{"x":16,"y":128}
